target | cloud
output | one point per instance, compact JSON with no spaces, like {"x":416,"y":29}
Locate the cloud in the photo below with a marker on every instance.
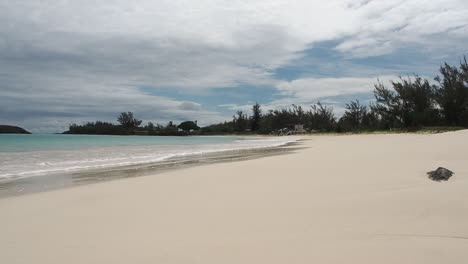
{"x":79,"y":60}
{"x":386,"y":26}
{"x":55,"y":102}
{"x":333,"y":92}
{"x":189,"y":106}
{"x":312,"y":89}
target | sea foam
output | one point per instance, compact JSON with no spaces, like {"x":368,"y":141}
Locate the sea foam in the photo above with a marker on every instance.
{"x":60,"y":159}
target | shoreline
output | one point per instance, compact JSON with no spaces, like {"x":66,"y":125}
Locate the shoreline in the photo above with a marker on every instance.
{"x":61,"y":180}
{"x":349,"y":199}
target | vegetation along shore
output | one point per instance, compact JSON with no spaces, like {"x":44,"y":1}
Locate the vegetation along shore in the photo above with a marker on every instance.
{"x":410,"y":104}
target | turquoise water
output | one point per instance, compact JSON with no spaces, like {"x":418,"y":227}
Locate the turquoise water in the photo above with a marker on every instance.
{"x":40,"y":142}
{"x":43,"y":154}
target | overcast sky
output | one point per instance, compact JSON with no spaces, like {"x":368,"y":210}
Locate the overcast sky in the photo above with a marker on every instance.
{"x":82,"y":60}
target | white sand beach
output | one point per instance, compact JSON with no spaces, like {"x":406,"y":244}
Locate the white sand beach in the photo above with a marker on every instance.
{"x":340,"y":199}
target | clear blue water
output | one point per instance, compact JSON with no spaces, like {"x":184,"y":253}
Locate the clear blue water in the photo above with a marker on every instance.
{"x":43,"y":154}
{"x":41,"y":142}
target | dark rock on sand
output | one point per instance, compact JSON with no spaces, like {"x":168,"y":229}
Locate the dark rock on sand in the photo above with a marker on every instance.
{"x":441,"y":174}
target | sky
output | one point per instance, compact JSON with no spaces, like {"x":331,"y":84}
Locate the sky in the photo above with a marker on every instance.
{"x":64,"y":62}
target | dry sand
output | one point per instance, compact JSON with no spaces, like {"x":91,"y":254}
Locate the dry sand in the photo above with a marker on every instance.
{"x":342,"y":199}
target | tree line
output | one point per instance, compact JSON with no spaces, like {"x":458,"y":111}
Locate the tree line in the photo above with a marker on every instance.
{"x":407,"y":104}
{"x":130,"y":125}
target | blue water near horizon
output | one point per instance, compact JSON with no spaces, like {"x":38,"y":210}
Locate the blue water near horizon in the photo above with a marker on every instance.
{"x":41,"y":142}
{"x":27,"y":155}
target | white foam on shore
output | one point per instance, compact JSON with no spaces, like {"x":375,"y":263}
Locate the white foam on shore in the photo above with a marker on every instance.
{"x":15,"y":165}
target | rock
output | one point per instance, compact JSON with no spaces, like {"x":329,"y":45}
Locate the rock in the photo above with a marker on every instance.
{"x":441,"y":174}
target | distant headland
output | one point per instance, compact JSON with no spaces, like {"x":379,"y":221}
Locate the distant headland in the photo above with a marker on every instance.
{"x":6,"y":129}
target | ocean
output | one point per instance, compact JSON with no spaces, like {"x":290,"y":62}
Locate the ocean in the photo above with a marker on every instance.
{"x":24,"y":156}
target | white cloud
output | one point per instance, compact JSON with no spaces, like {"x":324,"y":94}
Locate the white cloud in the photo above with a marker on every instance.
{"x":385,"y":26}
{"x":312,"y":89}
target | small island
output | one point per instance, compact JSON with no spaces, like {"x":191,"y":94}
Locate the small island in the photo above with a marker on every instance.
{"x":6,"y":129}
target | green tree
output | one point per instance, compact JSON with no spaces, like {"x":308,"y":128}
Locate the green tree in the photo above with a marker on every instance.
{"x":452,"y":93}
{"x":386,"y":106}
{"x":256,"y":117}
{"x":354,"y":117}
{"x":186,"y":126}
{"x":321,"y":117}
{"x":416,"y":99}
{"x":127,"y":120}
{"x":410,"y":103}
{"x":150,"y":127}
{"x":240,"y":121}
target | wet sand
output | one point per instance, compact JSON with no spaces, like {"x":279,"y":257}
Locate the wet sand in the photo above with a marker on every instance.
{"x":55,"y":181}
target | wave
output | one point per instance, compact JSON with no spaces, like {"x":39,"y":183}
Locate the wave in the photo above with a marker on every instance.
{"x":36,"y":163}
